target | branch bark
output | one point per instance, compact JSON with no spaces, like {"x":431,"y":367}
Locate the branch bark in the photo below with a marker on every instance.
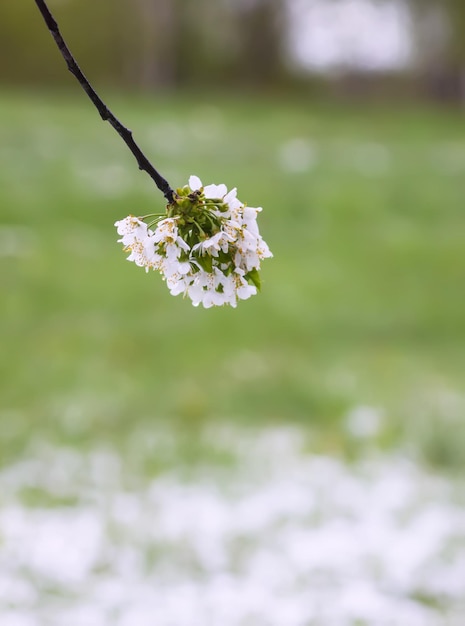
{"x":105,"y":113}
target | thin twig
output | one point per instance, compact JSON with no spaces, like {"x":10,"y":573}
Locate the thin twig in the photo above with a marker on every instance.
{"x":104,"y":111}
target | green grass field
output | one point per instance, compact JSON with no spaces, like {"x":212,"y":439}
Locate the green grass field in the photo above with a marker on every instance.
{"x":162,"y":464}
{"x":362,"y":305}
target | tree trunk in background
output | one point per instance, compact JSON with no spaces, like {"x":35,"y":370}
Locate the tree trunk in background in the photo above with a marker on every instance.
{"x":171,"y":40}
{"x":261,"y":31}
{"x":187,"y":42}
{"x":457,"y":58}
{"x":153,"y":64}
{"x":440,"y":31}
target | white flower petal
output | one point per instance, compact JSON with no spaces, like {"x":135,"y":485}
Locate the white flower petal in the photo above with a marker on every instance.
{"x":231,"y":195}
{"x":131,"y":227}
{"x":195,"y":183}
{"x":182,"y":244}
{"x":232,"y":201}
{"x":215,"y":191}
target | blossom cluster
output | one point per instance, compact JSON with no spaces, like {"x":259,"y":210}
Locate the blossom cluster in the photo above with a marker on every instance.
{"x":207,"y":246}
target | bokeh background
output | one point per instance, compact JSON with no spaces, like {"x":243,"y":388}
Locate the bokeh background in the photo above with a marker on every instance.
{"x":298,"y":461}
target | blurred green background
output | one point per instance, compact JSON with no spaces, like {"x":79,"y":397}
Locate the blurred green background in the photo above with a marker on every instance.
{"x":359,"y":332}
{"x":298,"y":460}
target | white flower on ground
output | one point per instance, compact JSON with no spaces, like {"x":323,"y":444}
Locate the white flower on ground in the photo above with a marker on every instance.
{"x":207,"y":247}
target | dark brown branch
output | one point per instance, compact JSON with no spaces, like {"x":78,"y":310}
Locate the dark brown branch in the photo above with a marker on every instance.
{"x":104,"y":111}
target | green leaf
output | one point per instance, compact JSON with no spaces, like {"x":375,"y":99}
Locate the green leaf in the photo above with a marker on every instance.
{"x":253,"y":277}
{"x":205,"y":263}
{"x":224,"y":257}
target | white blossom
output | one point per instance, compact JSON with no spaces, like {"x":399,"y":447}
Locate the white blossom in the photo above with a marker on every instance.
{"x":207,"y":248}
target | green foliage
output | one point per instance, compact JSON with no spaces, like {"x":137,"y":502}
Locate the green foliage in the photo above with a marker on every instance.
{"x":362,"y":305}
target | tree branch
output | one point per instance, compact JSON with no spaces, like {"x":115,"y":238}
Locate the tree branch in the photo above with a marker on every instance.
{"x":104,"y":111}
